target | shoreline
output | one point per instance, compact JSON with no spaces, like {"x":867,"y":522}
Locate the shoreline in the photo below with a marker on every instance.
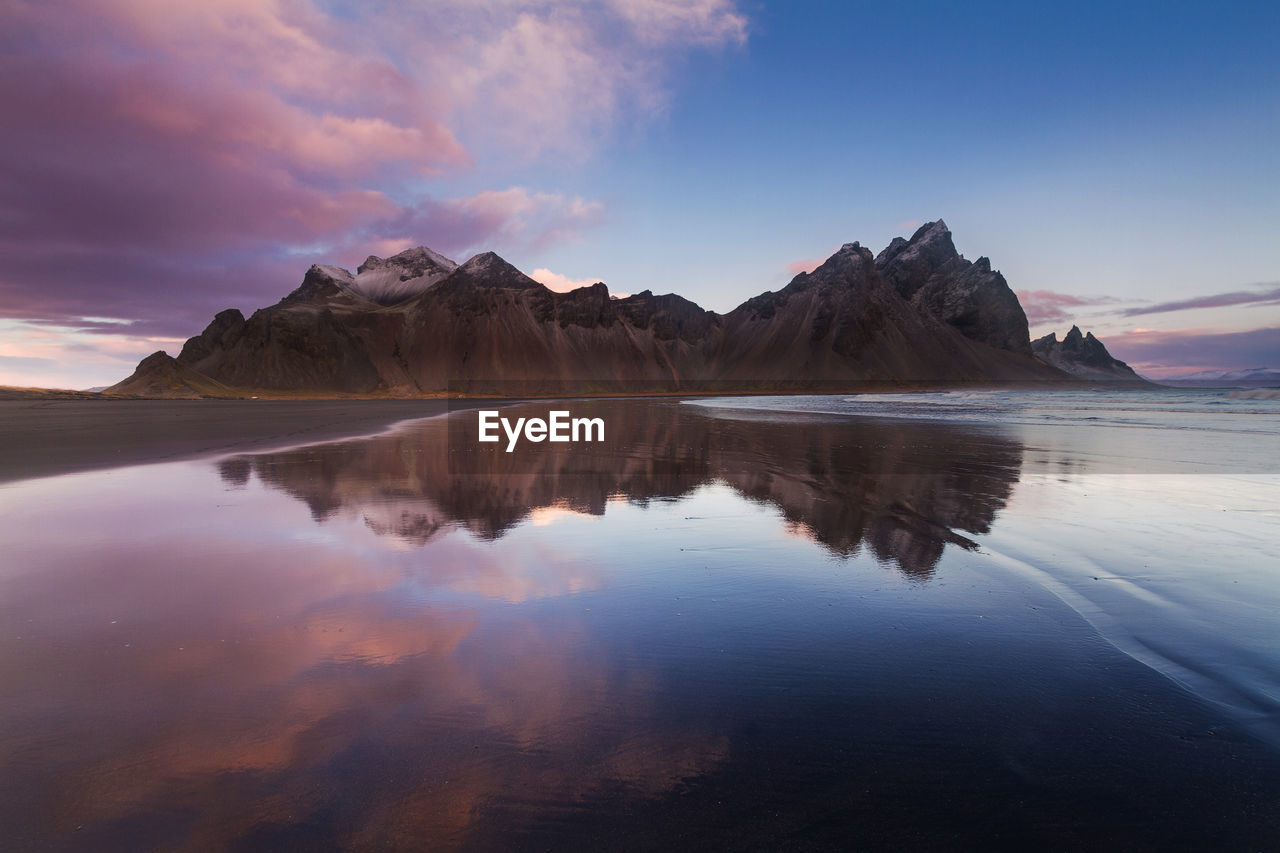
{"x":49,"y":437}
{"x":52,"y":435}
{"x":606,"y":390}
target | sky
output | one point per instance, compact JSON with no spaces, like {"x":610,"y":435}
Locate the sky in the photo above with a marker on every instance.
{"x":162,"y":161}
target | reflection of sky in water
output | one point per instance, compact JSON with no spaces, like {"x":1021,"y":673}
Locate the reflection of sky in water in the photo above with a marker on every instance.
{"x":354,"y":643}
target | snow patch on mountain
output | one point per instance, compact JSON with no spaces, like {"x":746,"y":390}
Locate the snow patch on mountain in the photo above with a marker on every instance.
{"x":391,"y":280}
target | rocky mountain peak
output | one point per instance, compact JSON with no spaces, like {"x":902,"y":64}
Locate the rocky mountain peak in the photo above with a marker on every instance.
{"x":417,"y":260}
{"x":323,"y":285}
{"x":1083,"y":356}
{"x":909,"y":264}
{"x":928,"y":272}
{"x":849,"y":265}
{"x":388,"y":281}
{"x":481,"y":262}
{"x":488,"y":269}
{"x":416,"y":321}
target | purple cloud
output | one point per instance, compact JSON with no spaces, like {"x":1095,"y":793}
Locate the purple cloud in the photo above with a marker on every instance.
{"x":1046,"y":306}
{"x":1217,"y":300}
{"x":161,"y":161}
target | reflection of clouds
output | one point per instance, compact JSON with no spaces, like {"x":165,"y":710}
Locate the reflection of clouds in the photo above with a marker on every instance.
{"x":543,"y":516}
{"x":266,"y":688}
{"x":511,"y":572}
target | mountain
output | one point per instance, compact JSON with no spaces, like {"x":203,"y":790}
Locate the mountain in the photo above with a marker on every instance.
{"x":417,"y":323}
{"x":1084,"y":357}
{"x":159,"y":375}
{"x":1254,"y":377}
{"x":395,"y":279}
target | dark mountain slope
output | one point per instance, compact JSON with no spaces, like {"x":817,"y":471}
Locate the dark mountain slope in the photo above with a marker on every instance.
{"x":1084,"y":357}
{"x":417,"y":323}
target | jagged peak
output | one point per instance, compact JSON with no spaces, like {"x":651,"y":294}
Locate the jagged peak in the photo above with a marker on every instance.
{"x":845,"y":262}
{"x":482,"y":261}
{"x":157,"y":357}
{"x":416,"y":257}
{"x":929,"y":247}
{"x":330,"y":271}
{"x":937,"y":228}
{"x":490,"y":268}
{"x":401,"y":276}
{"x":1083,"y":356}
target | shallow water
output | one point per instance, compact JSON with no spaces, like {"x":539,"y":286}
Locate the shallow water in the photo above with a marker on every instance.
{"x":738,"y":625}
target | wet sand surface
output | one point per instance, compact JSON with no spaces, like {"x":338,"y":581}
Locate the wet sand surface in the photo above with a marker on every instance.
{"x":716,"y":629}
{"x":40,"y":438}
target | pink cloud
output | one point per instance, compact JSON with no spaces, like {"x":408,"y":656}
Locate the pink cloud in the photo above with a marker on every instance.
{"x":1046,"y":306}
{"x":560,"y":283}
{"x":514,"y":219}
{"x":805,"y":265}
{"x":165,"y":160}
{"x":704,"y":22}
{"x":544,"y":76}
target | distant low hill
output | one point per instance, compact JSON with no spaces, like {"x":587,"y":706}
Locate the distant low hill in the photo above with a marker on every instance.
{"x":1255,"y":377}
{"x":418,"y":323}
{"x":9,"y":392}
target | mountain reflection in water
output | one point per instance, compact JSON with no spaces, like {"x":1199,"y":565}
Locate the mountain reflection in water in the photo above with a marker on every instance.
{"x":902,"y":490}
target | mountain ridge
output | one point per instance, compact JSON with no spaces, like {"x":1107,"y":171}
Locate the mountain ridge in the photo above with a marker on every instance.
{"x":1085,"y":357}
{"x":420,"y":324}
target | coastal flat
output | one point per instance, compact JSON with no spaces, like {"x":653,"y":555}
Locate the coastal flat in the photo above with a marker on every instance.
{"x":949,"y":620}
{"x":41,"y":438}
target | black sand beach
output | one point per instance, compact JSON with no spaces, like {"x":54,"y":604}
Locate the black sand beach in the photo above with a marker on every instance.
{"x":40,"y":438}
{"x":751,"y":624}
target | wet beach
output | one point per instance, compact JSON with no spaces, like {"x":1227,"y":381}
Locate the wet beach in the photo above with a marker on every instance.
{"x":728,"y":625}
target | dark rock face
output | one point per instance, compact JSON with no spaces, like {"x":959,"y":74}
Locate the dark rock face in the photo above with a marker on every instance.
{"x":161,"y":375}
{"x":419,"y":323}
{"x":227,"y":326}
{"x":875,"y":319}
{"x":1084,"y":357}
{"x":971,"y":297}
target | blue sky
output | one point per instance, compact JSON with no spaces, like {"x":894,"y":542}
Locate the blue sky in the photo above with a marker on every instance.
{"x":1110,"y":159}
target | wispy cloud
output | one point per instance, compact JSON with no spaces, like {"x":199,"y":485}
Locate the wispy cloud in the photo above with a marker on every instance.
{"x":1047,"y":306}
{"x":1268,"y":296}
{"x":53,"y":356}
